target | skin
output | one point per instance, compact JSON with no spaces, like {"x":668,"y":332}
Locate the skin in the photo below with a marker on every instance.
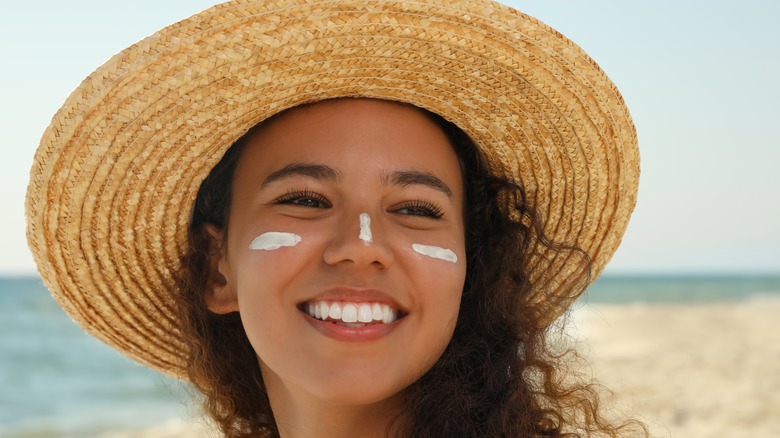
{"x":317,"y":385}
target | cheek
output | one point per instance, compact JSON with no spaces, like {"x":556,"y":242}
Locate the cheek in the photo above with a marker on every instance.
{"x":440,"y":286}
{"x":264,"y":266}
{"x":440,"y":263}
{"x":439,"y":273}
{"x":267,"y":255}
{"x":441,"y":294}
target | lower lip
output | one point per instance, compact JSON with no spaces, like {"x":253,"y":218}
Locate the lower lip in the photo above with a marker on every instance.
{"x":351,"y":334}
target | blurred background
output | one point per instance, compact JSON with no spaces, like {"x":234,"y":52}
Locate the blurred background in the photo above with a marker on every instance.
{"x":682,"y":324}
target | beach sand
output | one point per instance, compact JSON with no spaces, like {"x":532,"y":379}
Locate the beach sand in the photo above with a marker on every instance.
{"x":687,"y":370}
{"x":690,"y":370}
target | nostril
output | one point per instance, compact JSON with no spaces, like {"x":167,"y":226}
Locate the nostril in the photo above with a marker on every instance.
{"x":361,"y":246}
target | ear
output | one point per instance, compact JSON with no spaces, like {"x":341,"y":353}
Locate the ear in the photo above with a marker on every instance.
{"x":220,"y":295}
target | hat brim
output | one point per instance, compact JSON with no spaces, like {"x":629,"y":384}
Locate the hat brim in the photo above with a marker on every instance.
{"x":116,"y":174}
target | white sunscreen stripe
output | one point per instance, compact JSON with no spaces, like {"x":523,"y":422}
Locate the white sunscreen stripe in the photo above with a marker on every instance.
{"x":274,"y":240}
{"x":365,"y":228}
{"x":435,"y":252}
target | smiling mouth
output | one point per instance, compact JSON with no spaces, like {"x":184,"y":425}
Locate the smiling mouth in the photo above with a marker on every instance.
{"x":349,"y":314}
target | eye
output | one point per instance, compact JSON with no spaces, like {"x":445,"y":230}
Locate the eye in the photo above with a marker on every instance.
{"x":303,"y":198}
{"x":420,"y":208}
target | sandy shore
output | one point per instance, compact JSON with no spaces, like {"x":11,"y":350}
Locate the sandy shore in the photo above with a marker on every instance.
{"x":692,"y":371}
{"x":175,"y":428}
{"x":687,"y":370}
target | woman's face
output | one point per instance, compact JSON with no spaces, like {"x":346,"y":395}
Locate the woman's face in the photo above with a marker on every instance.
{"x":345,"y":212}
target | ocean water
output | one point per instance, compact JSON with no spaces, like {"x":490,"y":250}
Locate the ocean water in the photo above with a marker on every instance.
{"x":57,"y":381}
{"x":680,"y":288}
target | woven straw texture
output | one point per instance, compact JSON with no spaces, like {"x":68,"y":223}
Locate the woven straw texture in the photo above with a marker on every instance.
{"x":117,"y":171}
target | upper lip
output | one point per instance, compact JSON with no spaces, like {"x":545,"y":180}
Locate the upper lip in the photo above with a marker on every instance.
{"x":356,"y":295}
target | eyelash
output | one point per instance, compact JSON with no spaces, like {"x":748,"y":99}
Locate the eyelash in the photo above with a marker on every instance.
{"x":302,"y":195}
{"x":427,"y":208}
{"x":423,"y":208}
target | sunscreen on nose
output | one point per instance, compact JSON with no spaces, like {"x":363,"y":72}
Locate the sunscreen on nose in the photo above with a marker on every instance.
{"x":365,"y":228}
{"x":274,"y":240}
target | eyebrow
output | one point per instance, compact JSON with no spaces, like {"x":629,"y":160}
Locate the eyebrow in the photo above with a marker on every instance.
{"x":414,"y":177}
{"x":313,"y":170}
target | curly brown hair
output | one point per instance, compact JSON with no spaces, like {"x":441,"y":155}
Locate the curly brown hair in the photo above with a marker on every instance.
{"x":498,"y":376}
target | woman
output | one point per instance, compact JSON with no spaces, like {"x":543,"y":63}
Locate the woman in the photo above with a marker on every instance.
{"x":342,"y":217}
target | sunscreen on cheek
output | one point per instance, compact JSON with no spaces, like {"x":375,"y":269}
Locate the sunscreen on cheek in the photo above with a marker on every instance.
{"x":436,"y":252}
{"x":274,"y":240}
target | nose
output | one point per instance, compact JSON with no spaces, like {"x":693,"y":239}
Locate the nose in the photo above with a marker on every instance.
{"x":359,"y":240}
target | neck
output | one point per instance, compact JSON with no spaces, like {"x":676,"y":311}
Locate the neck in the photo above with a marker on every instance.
{"x":299,"y":414}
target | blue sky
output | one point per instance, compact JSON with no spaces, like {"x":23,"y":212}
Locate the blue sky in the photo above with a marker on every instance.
{"x":700,"y":78}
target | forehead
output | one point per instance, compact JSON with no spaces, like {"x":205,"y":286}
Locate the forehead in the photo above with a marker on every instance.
{"x":366,"y":135}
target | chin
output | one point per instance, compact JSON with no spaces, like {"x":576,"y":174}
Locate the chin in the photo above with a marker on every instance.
{"x":361,"y":395}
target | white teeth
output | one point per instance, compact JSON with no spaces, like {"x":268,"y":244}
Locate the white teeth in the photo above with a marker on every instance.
{"x":388,"y":314}
{"x":351,"y":314}
{"x":376,"y":312}
{"x":335,"y":311}
{"x":364,"y":313}
{"x":323,"y":314}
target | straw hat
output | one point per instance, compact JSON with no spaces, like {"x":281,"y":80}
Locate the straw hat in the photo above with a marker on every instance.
{"x":117,"y":170}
